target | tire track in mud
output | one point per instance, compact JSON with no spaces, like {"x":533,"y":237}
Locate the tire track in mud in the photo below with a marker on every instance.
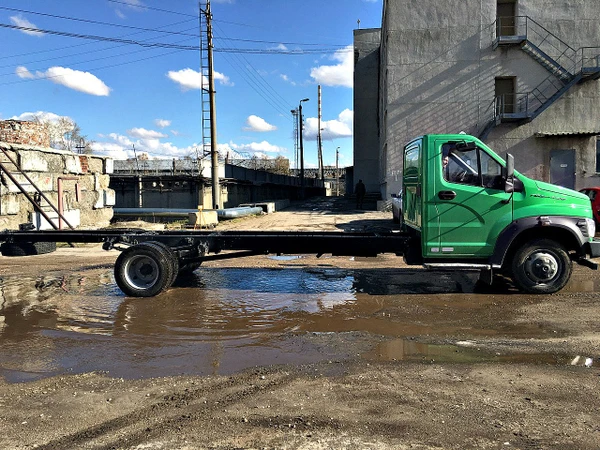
{"x":174,"y":411}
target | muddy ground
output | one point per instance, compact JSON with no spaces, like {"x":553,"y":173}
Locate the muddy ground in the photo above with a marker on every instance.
{"x":530,"y":392}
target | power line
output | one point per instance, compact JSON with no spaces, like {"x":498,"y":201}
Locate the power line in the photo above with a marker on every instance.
{"x":101,"y":38}
{"x":95,"y":58}
{"x":172,"y":46}
{"x":152,"y":8}
{"x":96,"y":22}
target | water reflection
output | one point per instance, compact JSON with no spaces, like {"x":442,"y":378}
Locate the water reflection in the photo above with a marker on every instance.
{"x":221,"y":320}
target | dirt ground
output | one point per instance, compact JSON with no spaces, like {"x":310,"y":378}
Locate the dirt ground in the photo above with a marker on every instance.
{"x":534,"y":400}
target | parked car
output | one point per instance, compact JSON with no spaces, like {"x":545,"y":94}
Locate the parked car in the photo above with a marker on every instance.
{"x":594,"y":194}
{"x":397,"y":207}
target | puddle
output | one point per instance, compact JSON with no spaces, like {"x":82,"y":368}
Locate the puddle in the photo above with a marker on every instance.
{"x":222,"y":320}
{"x":285,"y":257}
{"x":409,"y":350}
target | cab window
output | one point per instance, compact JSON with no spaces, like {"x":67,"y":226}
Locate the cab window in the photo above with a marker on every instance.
{"x":472,"y":166}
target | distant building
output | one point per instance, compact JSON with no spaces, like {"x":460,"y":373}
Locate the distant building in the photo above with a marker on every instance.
{"x":520,"y":74}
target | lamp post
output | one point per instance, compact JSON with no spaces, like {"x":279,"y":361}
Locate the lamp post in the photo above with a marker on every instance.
{"x":300,"y":126}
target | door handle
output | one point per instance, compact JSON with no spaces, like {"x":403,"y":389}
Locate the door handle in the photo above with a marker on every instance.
{"x":446,"y":195}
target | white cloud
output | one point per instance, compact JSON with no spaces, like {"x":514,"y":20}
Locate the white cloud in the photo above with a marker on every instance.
{"x":20,"y":21}
{"x":22,"y":72}
{"x":284,"y":77}
{"x":73,"y":79}
{"x":340,"y":74}
{"x":41,"y":116}
{"x":255,"y":148}
{"x":133,"y":3}
{"x":280,"y":47}
{"x":191,"y":79}
{"x":162,"y":123}
{"x":119,"y":146}
{"x":259,"y":124}
{"x":186,"y":78}
{"x":142,"y":133}
{"x":223,"y":79}
{"x":330,"y":129}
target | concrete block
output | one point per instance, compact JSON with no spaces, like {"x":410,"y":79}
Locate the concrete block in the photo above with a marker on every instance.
{"x":101,"y":181}
{"x":42,"y":181}
{"x":33,"y":162}
{"x":73,"y":216}
{"x":109,"y":166}
{"x":99,"y":199}
{"x":110,"y":197}
{"x":9,"y":205}
{"x":72,"y":164}
{"x":95,"y":164}
{"x":203,"y":219}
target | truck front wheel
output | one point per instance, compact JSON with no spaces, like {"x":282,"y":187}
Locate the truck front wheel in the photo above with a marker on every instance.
{"x":542,"y":266}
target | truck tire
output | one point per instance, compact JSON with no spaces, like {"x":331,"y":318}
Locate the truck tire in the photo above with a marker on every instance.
{"x":542,"y":266}
{"x":173,"y":259}
{"x":27,"y":248}
{"x":144,"y":270}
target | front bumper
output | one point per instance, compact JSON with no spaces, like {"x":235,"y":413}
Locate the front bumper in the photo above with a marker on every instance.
{"x":593,"y":248}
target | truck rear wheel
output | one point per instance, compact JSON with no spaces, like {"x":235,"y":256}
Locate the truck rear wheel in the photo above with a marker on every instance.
{"x":144,"y":270}
{"x":27,"y":248}
{"x":542,"y":266}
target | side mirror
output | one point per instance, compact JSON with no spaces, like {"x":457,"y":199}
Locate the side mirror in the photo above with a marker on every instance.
{"x":509,"y":183}
{"x":510,"y":165}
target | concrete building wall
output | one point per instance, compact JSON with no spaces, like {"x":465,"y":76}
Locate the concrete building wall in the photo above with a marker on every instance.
{"x":437,"y":75}
{"x":366,"y":100}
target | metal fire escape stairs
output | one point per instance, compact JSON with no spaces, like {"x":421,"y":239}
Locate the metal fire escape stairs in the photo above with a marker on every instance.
{"x":9,"y":168}
{"x":566,"y":67}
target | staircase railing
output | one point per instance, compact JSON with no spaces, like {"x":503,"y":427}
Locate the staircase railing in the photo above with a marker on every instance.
{"x":4,"y":169}
{"x":528,"y":30}
{"x":566,"y":65}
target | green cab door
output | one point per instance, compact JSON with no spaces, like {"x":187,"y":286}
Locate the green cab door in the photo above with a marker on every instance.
{"x":468,"y":207}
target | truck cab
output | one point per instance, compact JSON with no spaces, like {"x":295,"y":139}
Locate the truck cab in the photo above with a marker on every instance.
{"x":468,"y":208}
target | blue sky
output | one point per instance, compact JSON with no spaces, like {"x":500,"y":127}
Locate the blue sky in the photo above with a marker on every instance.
{"x":269,"y":54}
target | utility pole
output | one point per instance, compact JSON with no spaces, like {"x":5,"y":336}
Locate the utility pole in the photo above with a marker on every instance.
{"x":300,"y":126}
{"x":319,"y":142}
{"x":214,"y":154}
{"x":337,"y":172}
{"x":295,"y":116}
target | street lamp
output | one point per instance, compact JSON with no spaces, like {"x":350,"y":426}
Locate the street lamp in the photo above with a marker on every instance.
{"x":301,"y":148}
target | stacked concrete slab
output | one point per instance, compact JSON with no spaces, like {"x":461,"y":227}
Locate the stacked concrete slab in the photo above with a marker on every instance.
{"x":86,"y":197}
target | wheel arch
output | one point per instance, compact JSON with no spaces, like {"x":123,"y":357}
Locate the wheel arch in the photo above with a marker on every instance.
{"x":563,"y":230}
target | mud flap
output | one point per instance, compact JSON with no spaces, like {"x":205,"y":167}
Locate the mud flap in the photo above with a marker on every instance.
{"x":486,"y":276}
{"x":587,"y":263}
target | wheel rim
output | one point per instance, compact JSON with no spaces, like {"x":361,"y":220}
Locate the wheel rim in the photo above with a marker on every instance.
{"x":141,"y":272}
{"x":542,"y":266}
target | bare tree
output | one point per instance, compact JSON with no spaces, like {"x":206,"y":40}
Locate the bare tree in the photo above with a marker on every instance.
{"x":65,"y":134}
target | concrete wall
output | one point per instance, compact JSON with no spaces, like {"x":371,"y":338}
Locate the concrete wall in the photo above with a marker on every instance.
{"x":366,"y":100}
{"x":437,"y":75}
{"x":46,"y":168}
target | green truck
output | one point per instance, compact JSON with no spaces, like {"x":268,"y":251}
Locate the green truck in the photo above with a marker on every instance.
{"x":464,"y":207}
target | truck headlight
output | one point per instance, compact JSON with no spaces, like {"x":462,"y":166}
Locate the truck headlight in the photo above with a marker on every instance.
{"x":591,"y":225}
{"x":587,"y":227}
